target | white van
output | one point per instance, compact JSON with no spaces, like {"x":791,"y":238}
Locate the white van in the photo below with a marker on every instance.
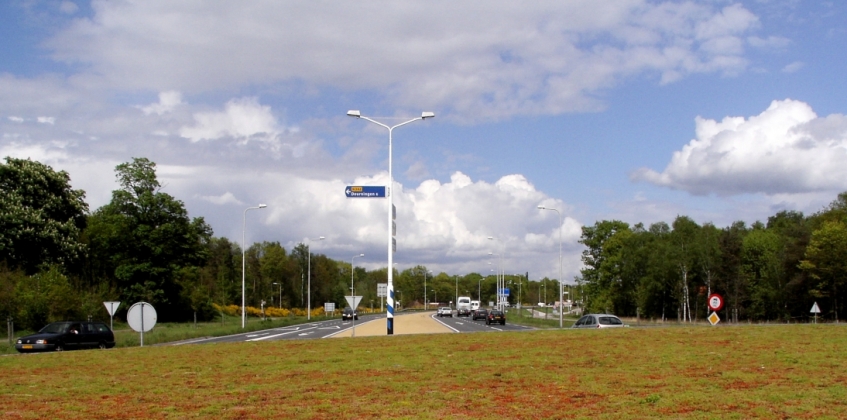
{"x":463,"y":306}
{"x":474,"y":305}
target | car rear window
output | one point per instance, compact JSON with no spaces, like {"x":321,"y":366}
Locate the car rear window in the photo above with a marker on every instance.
{"x":610,"y":320}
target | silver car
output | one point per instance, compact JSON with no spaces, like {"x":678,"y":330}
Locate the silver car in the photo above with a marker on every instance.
{"x":599,"y":321}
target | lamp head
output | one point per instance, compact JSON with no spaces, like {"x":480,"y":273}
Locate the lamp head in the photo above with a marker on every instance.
{"x":425,"y":115}
{"x":261,"y":206}
{"x":321,"y":238}
{"x":354,"y":113}
{"x":361,"y":255}
{"x":542,"y":207}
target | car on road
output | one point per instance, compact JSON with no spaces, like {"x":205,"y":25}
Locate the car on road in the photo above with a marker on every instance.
{"x":495,"y":315}
{"x":480,"y":313}
{"x":71,"y":335}
{"x":599,"y":321}
{"x":445,"y":311}
{"x":349,"y":314}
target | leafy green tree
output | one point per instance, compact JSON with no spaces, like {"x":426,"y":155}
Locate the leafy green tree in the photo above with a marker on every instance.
{"x":762,"y":266}
{"x":41,"y":217}
{"x":599,"y":274}
{"x":143,"y":237}
{"x":826,"y":261}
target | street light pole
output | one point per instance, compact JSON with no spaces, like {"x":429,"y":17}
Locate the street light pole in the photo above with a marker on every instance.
{"x":280,"y":294}
{"x":353,"y":294}
{"x":426,"y":307}
{"x":309,"y":286}
{"x":389,"y":192}
{"x":500,"y":269}
{"x":243,"y":266}
{"x":561,"y":283}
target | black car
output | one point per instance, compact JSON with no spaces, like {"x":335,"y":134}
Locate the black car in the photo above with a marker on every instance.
{"x":60,"y":336}
{"x":480,"y":314}
{"x":495,"y":315}
{"x":349,"y":314}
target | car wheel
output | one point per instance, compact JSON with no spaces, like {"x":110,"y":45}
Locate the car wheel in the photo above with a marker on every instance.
{"x":60,"y":347}
{"x":503,"y":323}
{"x":101,"y":345}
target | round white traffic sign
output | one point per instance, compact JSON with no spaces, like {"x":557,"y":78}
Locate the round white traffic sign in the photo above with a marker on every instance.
{"x":715,"y":302}
{"x":141,"y":317}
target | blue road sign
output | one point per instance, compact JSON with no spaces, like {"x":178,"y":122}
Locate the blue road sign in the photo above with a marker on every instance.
{"x":364,"y":191}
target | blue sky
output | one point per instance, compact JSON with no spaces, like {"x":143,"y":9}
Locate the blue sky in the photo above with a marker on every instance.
{"x":632,"y":109}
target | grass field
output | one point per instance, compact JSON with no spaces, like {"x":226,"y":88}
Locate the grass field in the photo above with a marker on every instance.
{"x":785,"y":371}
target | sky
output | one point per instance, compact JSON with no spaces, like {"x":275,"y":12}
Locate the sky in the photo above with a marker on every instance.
{"x":631,"y":110}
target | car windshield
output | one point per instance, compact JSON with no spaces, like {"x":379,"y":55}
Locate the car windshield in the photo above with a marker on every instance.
{"x":610,"y":320}
{"x":55,"y":328}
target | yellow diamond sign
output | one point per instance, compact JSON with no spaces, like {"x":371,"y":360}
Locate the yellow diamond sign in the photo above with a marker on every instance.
{"x":714,"y":318}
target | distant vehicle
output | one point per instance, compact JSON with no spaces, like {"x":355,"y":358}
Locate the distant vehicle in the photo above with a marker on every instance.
{"x":445,"y":311}
{"x":349,"y":314}
{"x":463,"y":306}
{"x":474,"y":305}
{"x":495,"y":315}
{"x":480,"y":313}
{"x":60,"y":336}
{"x":599,"y":321}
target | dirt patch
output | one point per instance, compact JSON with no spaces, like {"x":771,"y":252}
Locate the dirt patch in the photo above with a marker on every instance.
{"x":417,"y":323}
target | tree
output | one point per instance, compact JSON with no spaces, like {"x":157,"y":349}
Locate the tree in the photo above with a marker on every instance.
{"x":143,"y":237}
{"x":41,"y":217}
{"x":826,"y":261}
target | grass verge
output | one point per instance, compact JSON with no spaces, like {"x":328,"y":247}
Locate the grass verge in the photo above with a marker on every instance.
{"x":737,"y":372}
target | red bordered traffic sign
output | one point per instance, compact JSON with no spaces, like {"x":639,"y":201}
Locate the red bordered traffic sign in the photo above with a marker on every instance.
{"x":715,"y":302}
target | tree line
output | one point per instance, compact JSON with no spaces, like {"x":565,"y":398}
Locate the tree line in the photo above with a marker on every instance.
{"x":772,"y":271}
{"x":60,"y":260}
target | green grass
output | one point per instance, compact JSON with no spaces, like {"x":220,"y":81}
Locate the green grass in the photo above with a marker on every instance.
{"x":738,"y":372}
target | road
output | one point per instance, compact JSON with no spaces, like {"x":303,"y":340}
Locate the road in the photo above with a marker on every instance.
{"x":339,"y":328}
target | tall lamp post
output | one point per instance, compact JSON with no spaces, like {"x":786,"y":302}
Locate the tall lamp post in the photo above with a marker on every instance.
{"x":243,"y":266}
{"x":352,"y":292}
{"x":426,"y":307}
{"x":280,"y":294}
{"x":561,"y":283}
{"x":500,"y":268}
{"x":424,"y":115}
{"x":309,"y":286}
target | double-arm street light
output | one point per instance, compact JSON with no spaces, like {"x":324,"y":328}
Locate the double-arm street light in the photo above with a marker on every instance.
{"x":309,"y":286}
{"x":389,"y":192}
{"x":243,"y":266}
{"x":561,"y":283}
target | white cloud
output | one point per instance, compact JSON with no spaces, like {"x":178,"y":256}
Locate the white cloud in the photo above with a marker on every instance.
{"x":787,"y":149}
{"x":225,"y":198}
{"x":509,"y":59}
{"x":242,"y":118}
{"x":46,"y":120}
{"x":168,"y":101}
{"x":16,"y":119}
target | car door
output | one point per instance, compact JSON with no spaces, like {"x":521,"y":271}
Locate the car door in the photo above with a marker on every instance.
{"x":73,"y":337}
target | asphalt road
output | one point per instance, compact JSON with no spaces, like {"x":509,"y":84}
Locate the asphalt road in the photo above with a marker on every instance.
{"x":311,"y":330}
{"x":468,"y":325}
{"x":326,"y":329}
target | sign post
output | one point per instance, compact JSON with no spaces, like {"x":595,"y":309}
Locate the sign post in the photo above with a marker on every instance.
{"x":715,"y":304}
{"x":112,"y":307}
{"x":141,"y":317}
{"x":815,"y":310}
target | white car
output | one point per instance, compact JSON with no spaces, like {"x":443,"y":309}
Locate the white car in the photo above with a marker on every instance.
{"x":445,"y":311}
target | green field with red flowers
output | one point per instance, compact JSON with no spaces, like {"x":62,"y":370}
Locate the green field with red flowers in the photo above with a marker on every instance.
{"x":786,"y":371}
